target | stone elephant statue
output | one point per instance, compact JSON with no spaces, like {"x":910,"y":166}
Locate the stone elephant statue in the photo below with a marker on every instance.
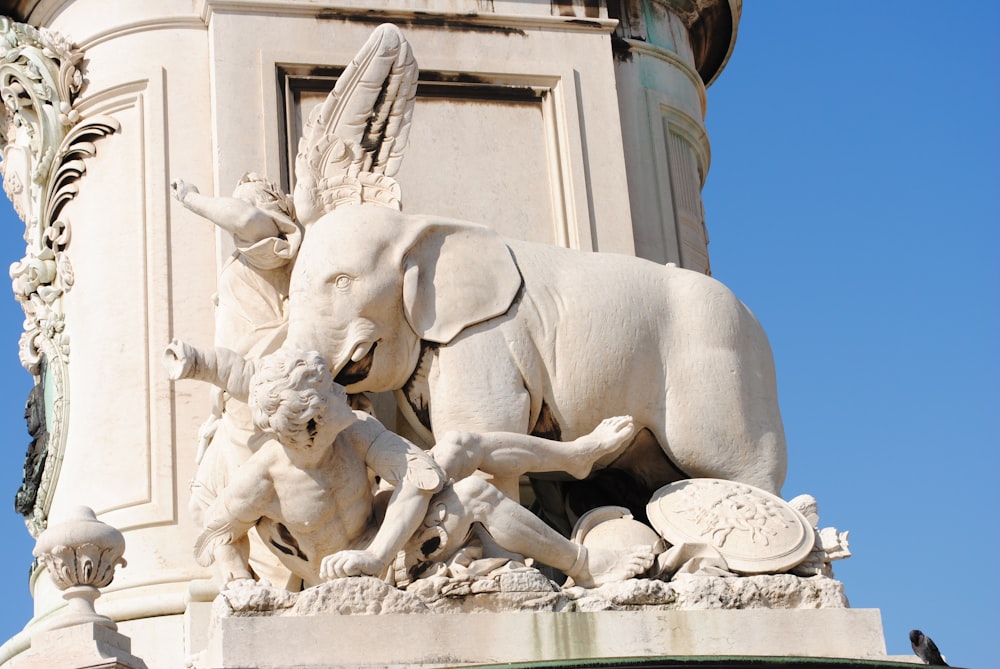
{"x":478,"y":333}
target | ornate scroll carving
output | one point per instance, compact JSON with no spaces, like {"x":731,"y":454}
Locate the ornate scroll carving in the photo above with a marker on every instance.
{"x":44,"y":142}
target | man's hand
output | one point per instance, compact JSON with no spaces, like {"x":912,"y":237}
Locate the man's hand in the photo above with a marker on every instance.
{"x":180,"y":189}
{"x":179,"y":358}
{"x":343,"y":564}
{"x":240,"y":584}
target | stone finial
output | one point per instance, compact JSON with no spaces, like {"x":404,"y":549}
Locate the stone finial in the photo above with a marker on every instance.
{"x":80,"y":554}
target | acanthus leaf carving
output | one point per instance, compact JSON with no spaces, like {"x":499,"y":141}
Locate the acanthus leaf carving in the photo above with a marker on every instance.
{"x":44,"y":144}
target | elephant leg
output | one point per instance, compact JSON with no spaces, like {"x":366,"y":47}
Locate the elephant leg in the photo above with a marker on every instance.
{"x":478,"y":393}
{"x":722,"y":418}
{"x":629,"y":481}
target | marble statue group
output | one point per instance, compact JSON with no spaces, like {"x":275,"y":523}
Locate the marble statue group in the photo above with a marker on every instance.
{"x":638,"y":399}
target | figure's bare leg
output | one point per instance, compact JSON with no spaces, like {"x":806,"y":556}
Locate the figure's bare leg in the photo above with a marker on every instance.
{"x":608,"y":439}
{"x":598,"y":566}
{"x":517,"y":529}
{"x":506,"y":454}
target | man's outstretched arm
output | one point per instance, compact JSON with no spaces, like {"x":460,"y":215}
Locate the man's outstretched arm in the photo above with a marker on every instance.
{"x":219,"y":366}
{"x":245,"y":222}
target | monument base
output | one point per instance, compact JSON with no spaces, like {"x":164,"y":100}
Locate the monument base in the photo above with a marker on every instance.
{"x":440,"y":640}
{"x":83,"y":646}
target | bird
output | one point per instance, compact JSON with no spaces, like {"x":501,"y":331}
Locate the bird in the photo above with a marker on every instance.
{"x":926,"y":649}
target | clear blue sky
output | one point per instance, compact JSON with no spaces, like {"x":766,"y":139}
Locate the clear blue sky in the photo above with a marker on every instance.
{"x":854,"y":203}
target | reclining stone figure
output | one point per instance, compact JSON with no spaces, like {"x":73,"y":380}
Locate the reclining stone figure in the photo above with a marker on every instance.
{"x":309,"y":493}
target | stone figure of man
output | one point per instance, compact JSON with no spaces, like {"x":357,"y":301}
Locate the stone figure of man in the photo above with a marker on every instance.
{"x":309,"y":491}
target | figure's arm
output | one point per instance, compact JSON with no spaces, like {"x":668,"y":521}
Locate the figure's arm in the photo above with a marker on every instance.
{"x":403,"y":516}
{"x":416,"y":477}
{"x":245,"y":222}
{"x":219,"y":366}
{"x":219,"y":546}
{"x":242,"y":503}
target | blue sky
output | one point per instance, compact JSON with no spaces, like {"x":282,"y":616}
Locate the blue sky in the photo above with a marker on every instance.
{"x":853,"y":203}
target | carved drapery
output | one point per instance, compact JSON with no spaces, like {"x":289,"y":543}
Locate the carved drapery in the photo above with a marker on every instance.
{"x":44,"y":141}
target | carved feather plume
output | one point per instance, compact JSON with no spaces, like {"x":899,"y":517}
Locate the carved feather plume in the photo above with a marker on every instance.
{"x":352,"y":144}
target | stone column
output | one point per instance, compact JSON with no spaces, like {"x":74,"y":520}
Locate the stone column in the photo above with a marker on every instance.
{"x":666,"y":53}
{"x":120,"y":271}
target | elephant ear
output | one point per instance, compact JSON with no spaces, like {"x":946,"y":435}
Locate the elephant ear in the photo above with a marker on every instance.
{"x":456,"y":275}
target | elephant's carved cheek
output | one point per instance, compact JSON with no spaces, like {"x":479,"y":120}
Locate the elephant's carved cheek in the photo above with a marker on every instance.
{"x":301,"y":287}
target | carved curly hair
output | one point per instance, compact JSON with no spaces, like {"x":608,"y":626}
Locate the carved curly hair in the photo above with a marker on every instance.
{"x":288,"y":395}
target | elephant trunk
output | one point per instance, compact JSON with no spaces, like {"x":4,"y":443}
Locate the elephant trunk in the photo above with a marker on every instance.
{"x":347,"y":351}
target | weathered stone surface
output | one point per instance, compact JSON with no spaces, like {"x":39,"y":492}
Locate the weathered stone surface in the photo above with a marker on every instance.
{"x":349,"y":596}
{"x":450,"y":640}
{"x":498,"y":602}
{"x":356,"y":596}
{"x":253,"y":601}
{"x":696,"y":592}
{"x":506,"y":589}
{"x":526,"y":589}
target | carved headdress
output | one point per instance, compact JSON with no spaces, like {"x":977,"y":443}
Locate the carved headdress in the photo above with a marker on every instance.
{"x":352,"y":144}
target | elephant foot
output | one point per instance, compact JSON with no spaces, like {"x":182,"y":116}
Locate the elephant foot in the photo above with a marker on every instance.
{"x":597,"y":566}
{"x":605,"y":442}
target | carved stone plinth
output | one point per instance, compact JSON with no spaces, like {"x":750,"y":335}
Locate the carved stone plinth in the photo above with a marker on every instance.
{"x":402,"y":640}
{"x":89,"y":645}
{"x":80,"y":554}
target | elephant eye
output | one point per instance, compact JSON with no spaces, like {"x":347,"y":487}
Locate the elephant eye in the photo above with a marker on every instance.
{"x":342,"y":281}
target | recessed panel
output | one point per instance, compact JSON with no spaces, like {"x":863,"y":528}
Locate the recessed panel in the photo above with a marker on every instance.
{"x":476,"y":152}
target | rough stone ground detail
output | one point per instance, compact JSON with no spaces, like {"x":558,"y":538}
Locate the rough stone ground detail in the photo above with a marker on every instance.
{"x":526,"y":589}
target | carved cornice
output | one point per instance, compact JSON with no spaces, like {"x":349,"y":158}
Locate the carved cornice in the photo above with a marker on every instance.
{"x":44,"y":142}
{"x":158,"y":23}
{"x":712,"y":26}
{"x":437,"y":14}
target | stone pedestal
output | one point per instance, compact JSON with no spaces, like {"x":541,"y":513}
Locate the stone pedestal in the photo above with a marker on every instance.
{"x":90,"y":646}
{"x":439,"y":640}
